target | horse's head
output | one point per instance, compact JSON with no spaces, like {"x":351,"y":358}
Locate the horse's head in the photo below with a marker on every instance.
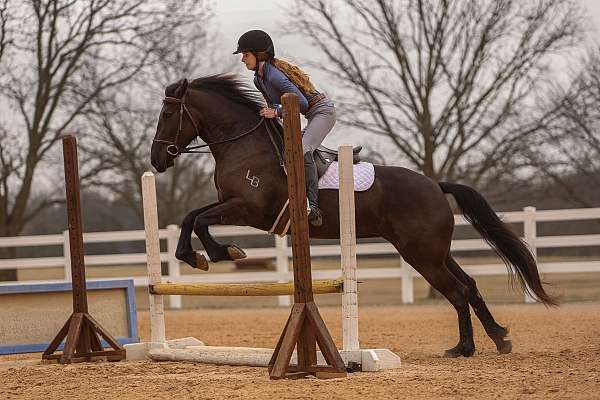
{"x":177,"y":127}
{"x":213,"y":108}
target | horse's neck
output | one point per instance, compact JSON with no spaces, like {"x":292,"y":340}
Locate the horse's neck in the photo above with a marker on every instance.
{"x":254,"y":146}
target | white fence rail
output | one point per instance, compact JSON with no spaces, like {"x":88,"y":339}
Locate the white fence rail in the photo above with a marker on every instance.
{"x":529,"y":217}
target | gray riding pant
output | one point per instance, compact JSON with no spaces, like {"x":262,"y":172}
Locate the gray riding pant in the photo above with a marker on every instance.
{"x":321,"y":119}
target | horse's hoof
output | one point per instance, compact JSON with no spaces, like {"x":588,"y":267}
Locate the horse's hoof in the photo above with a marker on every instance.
{"x":193,"y":259}
{"x":505,"y":347}
{"x":452,"y":353}
{"x":201,"y":262}
{"x":459,"y":351}
{"x":235,"y":253}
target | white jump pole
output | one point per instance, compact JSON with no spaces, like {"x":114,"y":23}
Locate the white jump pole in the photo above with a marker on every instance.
{"x":367,"y":359}
{"x":140,"y":351}
{"x":348,"y":249}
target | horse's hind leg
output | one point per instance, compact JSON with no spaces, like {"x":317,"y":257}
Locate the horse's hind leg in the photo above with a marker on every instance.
{"x":495,"y":331}
{"x":430,"y":263}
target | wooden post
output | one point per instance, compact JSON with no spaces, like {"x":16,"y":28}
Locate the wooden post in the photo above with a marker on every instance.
{"x":408,"y":290}
{"x":305,"y":327}
{"x":67,"y":256}
{"x":283,"y":266}
{"x":174,"y":266}
{"x":530,"y":235}
{"x":81,"y":331}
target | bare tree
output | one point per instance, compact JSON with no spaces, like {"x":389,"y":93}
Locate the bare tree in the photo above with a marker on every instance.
{"x":449,"y":83}
{"x":567,"y":152}
{"x":122,"y":122}
{"x":5,"y":27}
{"x":117,"y":154}
{"x":57,"y":57}
{"x":63,"y":55}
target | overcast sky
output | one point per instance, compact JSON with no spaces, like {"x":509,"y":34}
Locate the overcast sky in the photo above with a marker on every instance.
{"x":234,"y":17}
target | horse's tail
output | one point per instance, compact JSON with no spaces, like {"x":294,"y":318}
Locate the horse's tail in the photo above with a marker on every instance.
{"x":509,"y":247}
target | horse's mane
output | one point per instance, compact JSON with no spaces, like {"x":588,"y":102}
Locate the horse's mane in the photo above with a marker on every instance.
{"x":226,"y":85}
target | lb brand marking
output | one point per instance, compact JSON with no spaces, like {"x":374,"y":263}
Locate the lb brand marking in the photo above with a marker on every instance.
{"x":254,"y":180}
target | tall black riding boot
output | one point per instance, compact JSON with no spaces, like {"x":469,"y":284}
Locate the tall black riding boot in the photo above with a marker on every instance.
{"x":312,"y":189}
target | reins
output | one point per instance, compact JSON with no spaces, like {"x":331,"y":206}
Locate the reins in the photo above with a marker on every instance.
{"x":172,"y":147}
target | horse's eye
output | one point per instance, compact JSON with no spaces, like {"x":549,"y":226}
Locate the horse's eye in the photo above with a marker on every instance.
{"x":167,"y":114}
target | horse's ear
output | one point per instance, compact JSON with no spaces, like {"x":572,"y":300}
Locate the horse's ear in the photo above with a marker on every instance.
{"x":183,"y":85}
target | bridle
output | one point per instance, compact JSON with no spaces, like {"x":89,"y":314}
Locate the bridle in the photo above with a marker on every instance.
{"x":172,"y":147}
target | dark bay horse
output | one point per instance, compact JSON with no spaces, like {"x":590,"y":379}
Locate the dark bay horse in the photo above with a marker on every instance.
{"x":406,"y":208}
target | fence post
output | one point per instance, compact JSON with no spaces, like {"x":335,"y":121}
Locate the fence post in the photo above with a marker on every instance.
{"x":530,"y":234}
{"x":348,"y":249}
{"x":157,"y":314}
{"x":67,"y":256}
{"x":282,"y":263}
{"x":174,"y":266}
{"x":408,"y":290}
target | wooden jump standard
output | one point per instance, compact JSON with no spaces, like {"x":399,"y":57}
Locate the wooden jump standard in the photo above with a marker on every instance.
{"x":81,"y":331}
{"x":305,"y":327}
{"x":193,"y":350}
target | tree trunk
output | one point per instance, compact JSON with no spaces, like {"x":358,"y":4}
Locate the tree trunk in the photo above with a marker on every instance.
{"x":8,"y":274}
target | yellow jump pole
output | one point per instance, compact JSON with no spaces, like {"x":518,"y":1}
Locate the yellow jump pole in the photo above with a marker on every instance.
{"x":242,"y":289}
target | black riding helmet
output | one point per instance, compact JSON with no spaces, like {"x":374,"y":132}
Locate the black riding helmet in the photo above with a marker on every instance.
{"x":255,"y":41}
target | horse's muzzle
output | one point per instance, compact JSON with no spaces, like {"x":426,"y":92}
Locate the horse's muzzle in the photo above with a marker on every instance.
{"x":160,"y":159}
{"x":159,"y":168}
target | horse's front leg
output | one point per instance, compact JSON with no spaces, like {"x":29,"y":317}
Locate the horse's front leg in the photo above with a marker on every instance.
{"x":230,"y":212}
{"x":184,"y":251}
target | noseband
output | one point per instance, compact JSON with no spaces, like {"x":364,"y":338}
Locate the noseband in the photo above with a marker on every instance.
{"x":172,"y":147}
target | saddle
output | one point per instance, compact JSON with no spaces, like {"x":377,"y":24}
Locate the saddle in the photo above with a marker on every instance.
{"x":323,"y":156}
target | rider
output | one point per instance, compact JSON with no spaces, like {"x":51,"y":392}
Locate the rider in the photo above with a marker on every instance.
{"x":273,"y":77}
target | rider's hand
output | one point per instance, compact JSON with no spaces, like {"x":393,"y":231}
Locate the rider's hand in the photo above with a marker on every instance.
{"x":268,"y":112}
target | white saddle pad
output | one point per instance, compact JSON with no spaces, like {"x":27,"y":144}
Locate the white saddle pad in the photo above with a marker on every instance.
{"x":364,"y":176}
